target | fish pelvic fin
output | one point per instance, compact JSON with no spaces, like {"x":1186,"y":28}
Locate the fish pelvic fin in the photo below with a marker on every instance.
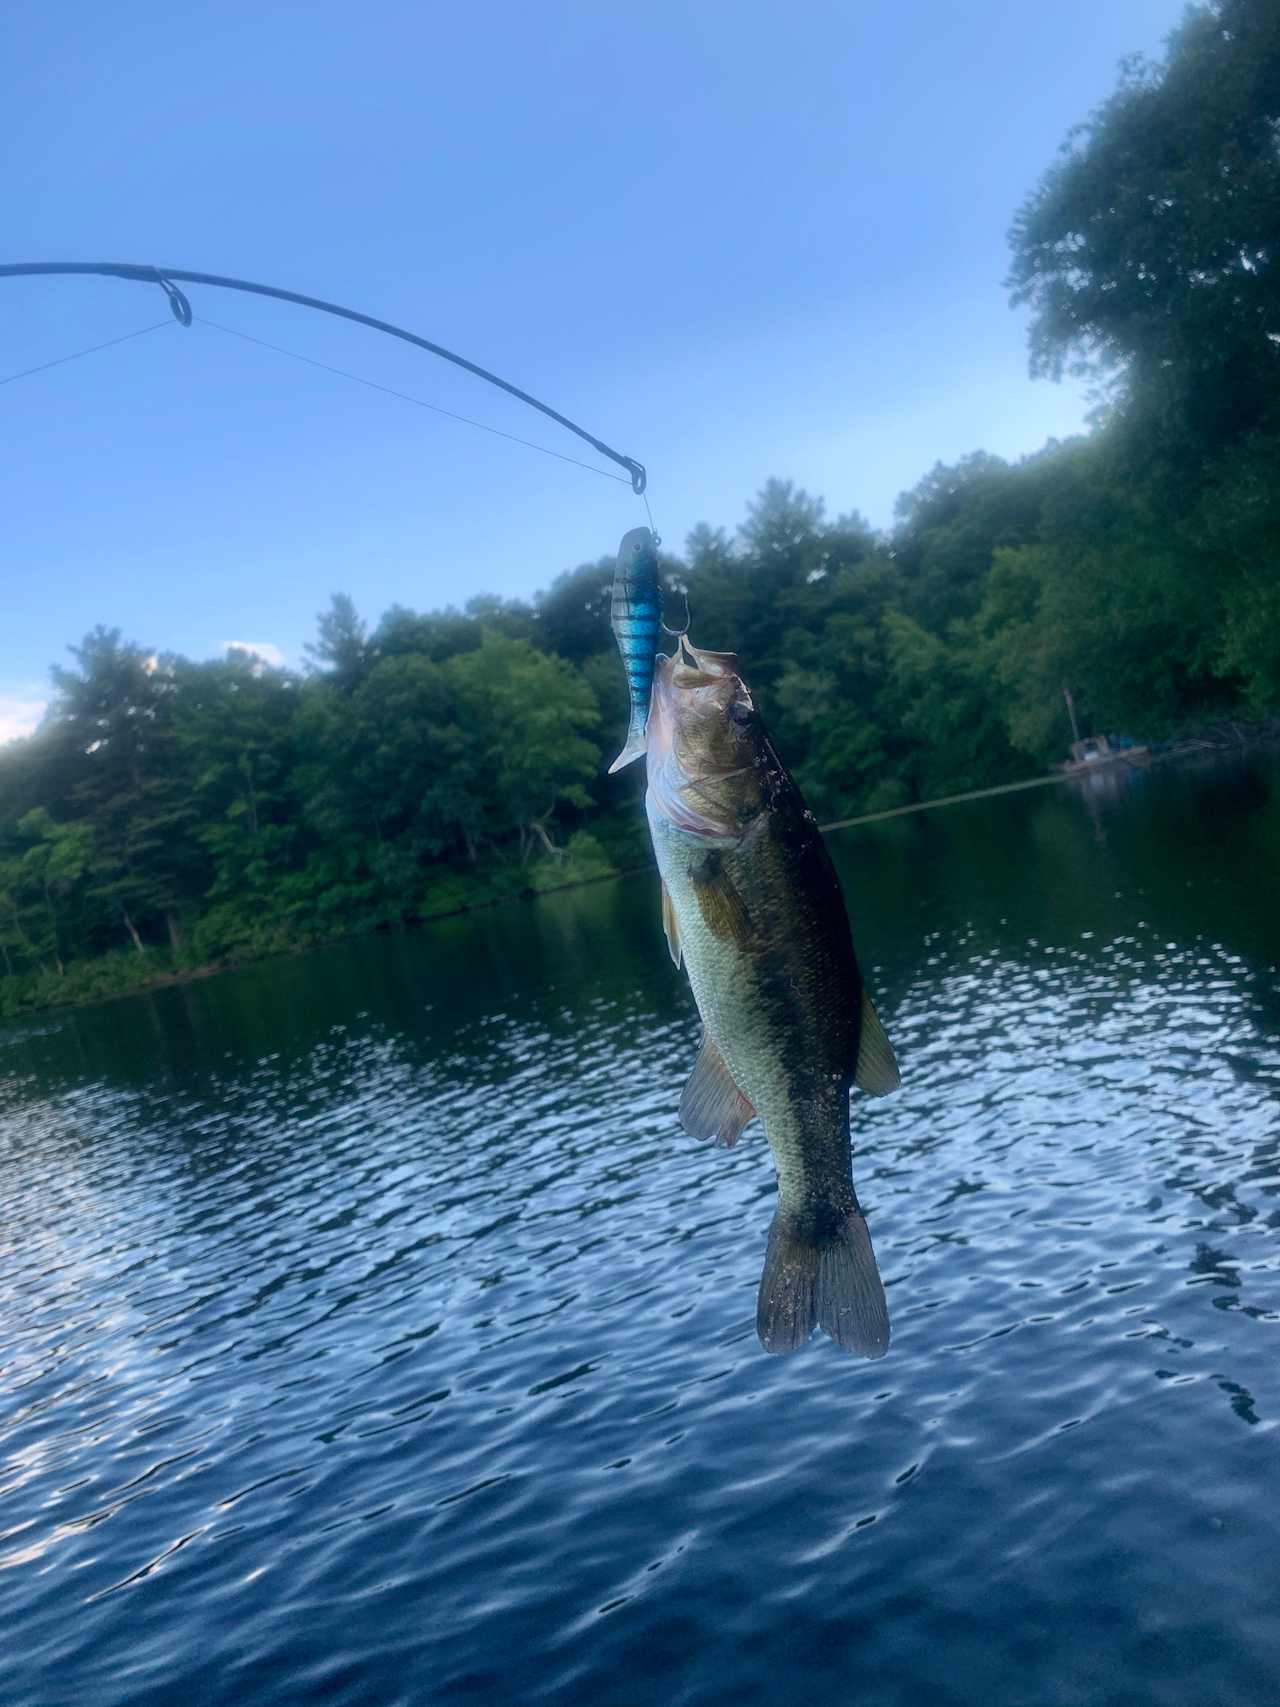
{"x":637,"y":745}
{"x":877,"y":1069}
{"x":671,"y":927}
{"x":712,"y":1105}
{"x":825,"y":1277}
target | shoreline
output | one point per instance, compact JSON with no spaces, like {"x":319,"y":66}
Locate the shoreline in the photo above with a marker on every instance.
{"x":1188,"y":748}
{"x":213,"y":968}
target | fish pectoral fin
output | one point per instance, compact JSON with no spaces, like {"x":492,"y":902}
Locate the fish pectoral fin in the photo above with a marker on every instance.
{"x":877,"y":1069}
{"x":720,"y":903}
{"x":712,"y":1105}
{"x":670,"y":925}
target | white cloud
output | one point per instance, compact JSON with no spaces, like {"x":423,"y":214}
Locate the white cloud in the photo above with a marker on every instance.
{"x":260,"y":649}
{"x":18,"y":717}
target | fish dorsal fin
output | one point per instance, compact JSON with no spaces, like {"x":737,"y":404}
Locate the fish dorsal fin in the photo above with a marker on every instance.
{"x":670,"y":926}
{"x":712,"y":1105}
{"x":877,"y":1071}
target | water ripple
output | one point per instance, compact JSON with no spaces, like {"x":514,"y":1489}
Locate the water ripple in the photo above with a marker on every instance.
{"x":406,"y":1351}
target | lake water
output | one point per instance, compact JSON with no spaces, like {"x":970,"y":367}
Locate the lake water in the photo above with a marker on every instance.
{"x":369,"y":1332}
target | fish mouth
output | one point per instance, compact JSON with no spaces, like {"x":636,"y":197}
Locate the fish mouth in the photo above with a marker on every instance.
{"x":699,"y":661}
{"x":693,"y":755}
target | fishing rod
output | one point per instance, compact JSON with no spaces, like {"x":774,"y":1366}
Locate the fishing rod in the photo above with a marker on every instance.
{"x":165,"y":277}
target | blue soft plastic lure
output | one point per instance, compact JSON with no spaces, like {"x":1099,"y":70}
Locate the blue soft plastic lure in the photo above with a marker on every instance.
{"x":636,"y":615}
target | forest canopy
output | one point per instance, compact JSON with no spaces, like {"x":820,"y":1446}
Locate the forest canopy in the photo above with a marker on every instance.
{"x":170,"y":811}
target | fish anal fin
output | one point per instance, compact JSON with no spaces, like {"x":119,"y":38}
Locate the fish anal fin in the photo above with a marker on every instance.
{"x":712,"y":1105}
{"x":670,"y":925}
{"x":877,"y":1069}
{"x":720,"y":903}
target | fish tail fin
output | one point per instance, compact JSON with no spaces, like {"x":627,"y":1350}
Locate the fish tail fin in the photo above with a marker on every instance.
{"x":826,"y":1277}
{"x":636,"y":745}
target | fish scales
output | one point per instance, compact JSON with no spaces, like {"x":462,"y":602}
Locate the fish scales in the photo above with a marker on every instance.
{"x":756,"y":910}
{"x":781,"y":1001}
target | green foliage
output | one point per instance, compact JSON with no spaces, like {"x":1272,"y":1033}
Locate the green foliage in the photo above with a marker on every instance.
{"x":94,"y":980}
{"x":171,"y":813}
{"x":582,"y":860}
{"x":532,"y":716}
{"x":1149,"y":251}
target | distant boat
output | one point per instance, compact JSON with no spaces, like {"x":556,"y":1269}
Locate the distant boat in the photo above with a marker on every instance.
{"x":1096,"y":751}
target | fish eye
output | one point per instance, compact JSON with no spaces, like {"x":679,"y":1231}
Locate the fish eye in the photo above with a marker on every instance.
{"x":741,"y":714}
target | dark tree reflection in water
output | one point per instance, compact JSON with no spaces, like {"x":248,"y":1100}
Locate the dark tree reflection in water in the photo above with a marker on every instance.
{"x":370,"y":1333}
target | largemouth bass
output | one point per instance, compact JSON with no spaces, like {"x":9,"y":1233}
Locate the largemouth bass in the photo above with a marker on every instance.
{"x":636,"y":616}
{"x":752,"y":906}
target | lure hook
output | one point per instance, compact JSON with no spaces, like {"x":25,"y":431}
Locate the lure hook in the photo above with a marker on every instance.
{"x":678,"y":633}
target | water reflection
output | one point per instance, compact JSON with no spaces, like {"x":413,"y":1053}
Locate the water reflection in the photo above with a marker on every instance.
{"x":370,"y":1331}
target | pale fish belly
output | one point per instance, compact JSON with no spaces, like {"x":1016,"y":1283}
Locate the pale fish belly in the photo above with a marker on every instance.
{"x":820,"y":1268}
{"x":759,"y":1046}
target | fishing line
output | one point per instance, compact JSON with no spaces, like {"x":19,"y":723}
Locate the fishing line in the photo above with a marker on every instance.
{"x":92,"y":350}
{"x":675,"y":633}
{"x":390,"y":391}
{"x":181,"y":309}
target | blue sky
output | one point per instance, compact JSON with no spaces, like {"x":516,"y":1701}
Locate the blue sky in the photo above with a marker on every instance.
{"x":735,"y":240}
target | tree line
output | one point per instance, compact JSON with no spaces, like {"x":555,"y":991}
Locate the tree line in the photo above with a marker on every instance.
{"x":171,"y":811}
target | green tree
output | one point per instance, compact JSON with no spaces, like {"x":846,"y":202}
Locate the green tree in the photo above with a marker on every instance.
{"x":415,"y":768}
{"x":1150,"y":252}
{"x":114,"y":718}
{"x":236,"y":741}
{"x":533,"y":717}
{"x":951,"y":524}
{"x":573,"y":614}
{"x":342,"y":648}
{"x":50,"y":869}
{"x":937,"y":696}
